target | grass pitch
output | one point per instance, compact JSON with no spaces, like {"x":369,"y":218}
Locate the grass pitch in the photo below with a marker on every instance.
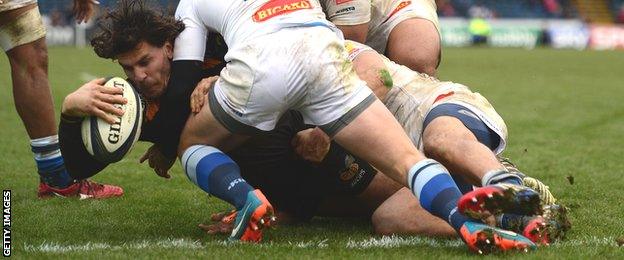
{"x":564,"y":110}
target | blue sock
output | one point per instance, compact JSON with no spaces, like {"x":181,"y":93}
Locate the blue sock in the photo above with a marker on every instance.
{"x":463,"y":185}
{"x":500,"y":176}
{"x":437,"y":192}
{"x":50,"y":164}
{"x":215,"y":173}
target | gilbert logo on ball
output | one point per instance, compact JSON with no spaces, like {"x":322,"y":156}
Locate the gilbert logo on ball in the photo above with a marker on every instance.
{"x":109,"y":143}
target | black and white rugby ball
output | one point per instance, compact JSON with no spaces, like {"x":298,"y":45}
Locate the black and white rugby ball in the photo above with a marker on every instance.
{"x":109,"y":143}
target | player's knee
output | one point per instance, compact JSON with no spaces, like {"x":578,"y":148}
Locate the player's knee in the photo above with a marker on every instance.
{"x":435,"y":143}
{"x":382,"y":223}
{"x":423,"y":62}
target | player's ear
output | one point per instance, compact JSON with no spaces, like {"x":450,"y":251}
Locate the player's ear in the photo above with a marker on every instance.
{"x":168,"y":49}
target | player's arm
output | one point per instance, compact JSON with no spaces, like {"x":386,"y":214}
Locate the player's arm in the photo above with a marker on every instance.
{"x":175,"y":103}
{"x":84,"y":9}
{"x":91,"y":99}
{"x":370,"y":67}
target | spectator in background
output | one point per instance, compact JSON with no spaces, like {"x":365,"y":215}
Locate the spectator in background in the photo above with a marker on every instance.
{"x":445,"y":8}
{"x":57,"y":18}
{"x":480,"y":30}
{"x":553,"y":8}
{"x":480,"y":11}
{"x":620,"y":15}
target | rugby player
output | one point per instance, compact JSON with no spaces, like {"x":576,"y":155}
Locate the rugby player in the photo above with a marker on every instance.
{"x":167,"y":110}
{"x":285,"y":55}
{"x":406,"y":31}
{"x":22,"y":37}
{"x":461,"y":129}
{"x":142,"y":58}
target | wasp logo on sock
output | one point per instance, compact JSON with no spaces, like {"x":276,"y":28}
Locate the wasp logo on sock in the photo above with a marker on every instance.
{"x":279,"y":7}
{"x":6,"y":223}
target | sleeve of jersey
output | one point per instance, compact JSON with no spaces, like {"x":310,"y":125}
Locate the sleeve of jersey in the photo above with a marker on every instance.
{"x":175,"y":104}
{"x":191,"y":43}
{"x":78,"y":162}
{"x":349,"y":12}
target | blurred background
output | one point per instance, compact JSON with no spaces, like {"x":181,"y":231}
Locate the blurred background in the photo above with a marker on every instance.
{"x":576,"y":24}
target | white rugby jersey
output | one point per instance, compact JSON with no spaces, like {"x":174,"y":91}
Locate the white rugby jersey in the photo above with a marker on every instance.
{"x":6,"y":5}
{"x":239,"y":20}
{"x":413,"y":95}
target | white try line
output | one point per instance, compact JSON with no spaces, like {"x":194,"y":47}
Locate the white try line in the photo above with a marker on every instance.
{"x":180,"y":243}
{"x":53,"y":247}
{"x":370,"y":243}
{"x":397,"y":241}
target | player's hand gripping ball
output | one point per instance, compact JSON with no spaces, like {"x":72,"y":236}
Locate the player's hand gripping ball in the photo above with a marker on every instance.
{"x":107,"y":142}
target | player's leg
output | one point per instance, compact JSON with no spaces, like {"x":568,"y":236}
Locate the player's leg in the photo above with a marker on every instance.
{"x":217,"y":174}
{"x":446,"y":139}
{"x":392,"y":208}
{"x":415,"y":43}
{"x":456,"y":136}
{"x":28,"y":57}
{"x":402,"y":214}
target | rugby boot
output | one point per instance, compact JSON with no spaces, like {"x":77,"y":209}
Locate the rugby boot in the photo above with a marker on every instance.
{"x":535,"y":184}
{"x":500,"y":198}
{"x":558,"y":221}
{"x":535,"y":228}
{"x":256,"y":214}
{"x":83,"y":189}
{"x":483,"y":239}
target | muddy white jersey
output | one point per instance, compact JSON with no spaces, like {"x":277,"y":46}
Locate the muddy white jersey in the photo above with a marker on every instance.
{"x":414,"y":94}
{"x":6,"y":5}
{"x":238,"y":21}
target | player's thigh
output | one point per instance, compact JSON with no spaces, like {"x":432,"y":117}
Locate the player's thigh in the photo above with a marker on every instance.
{"x":207,"y":127}
{"x":415,"y":43}
{"x":29,"y":56}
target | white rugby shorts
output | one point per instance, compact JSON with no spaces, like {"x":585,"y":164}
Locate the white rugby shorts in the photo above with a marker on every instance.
{"x":26,"y":28}
{"x":300,"y":68}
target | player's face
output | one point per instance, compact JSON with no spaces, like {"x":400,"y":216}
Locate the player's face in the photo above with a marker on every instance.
{"x":148,"y":67}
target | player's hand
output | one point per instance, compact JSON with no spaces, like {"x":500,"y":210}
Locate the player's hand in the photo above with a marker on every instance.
{"x":198,"y":97}
{"x":311,"y":144}
{"x":158,"y":161}
{"x":95,"y":99}
{"x":84,"y":9}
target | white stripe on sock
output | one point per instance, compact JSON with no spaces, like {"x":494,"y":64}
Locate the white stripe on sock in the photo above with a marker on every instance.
{"x":191,"y":158}
{"x":425,"y":175}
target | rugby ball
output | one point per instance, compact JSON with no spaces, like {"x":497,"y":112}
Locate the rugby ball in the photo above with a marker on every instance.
{"x":109,"y":143}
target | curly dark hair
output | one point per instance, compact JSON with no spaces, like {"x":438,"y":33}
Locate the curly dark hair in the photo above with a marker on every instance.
{"x":130,"y":23}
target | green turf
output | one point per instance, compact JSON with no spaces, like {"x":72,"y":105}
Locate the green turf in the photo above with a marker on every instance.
{"x":565,"y":114}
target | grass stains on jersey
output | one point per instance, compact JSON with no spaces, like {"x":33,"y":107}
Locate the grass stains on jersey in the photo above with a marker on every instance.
{"x":385,"y":77}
